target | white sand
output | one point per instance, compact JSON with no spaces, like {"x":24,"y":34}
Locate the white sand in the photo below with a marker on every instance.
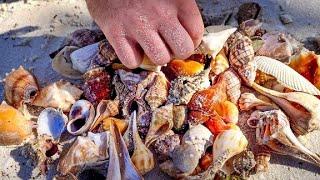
{"x":40,"y":27}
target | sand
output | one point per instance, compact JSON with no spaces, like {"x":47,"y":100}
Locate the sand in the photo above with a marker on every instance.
{"x":30,"y":31}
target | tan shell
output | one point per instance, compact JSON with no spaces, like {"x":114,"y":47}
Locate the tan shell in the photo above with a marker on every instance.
{"x":158,"y":92}
{"x":61,"y":94}
{"x":20,"y":87}
{"x":179,"y":116}
{"x":148,"y":65}
{"x":233,"y":85}
{"x":219,"y":64}
{"x":105,"y":109}
{"x":120,"y":123}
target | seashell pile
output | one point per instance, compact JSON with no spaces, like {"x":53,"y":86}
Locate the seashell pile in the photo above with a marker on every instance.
{"x":185,"y":118}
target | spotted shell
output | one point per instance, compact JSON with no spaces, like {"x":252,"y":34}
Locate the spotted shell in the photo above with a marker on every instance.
{"x":20,"y":87}
{"x":233,"y":85}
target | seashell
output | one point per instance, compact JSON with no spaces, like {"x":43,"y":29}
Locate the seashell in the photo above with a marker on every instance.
{"x":250,"y":27}
{"x":165,"y":144}
{"x":233,"y":85}
{"x":97,"y":85}
{"x":14,"y":128}
{"x":81,"y":117}
{"x":228,"y":111}
{"x":148,"y":65}
{"x":262,"y":162}
{"x":142,"y":157}
{"x":20,"y":87}
{"x":61,"y":95}
{"x":122,"y":93}
{"x":105,"y":109}
{"x":285,"y":75}
{"x":244,"y":163}
{"x":82,"y":58}
{"x":120,"y":123}
{"x":158,"y":92}
{"x":205,"y":161}
{"x":145,"y":84}
{"x":226,"y":145}
{"x":273,"y":130}
{"x":121,"y":166}
{"x":179,"y":116}
{"x":217,"y":125}
{"x":219,"y":64}
{"x":107,"y":52}
{"x":249,"y":101}
{"x":161,"y":122}
{"x":85,"y":151}
{"x":183,"y":87}
{"x":84,"y":37}
{"x":199,"y":137}
{"x":62,"y":64}
{"x":129,"y":79}
{"x":302,"y":120}
{"x":51,"y":123}
{"x":202,"y":104}
{"x":185,"y":67}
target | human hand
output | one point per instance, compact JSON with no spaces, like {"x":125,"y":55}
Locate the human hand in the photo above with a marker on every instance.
{"x":162,"y":29}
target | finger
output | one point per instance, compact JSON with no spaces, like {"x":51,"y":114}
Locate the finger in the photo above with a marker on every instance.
{"x":190,"y":18}
{"x":177,"y":38}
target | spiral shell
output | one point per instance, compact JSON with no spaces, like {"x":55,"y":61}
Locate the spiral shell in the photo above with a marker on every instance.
{"x":105,"y":109}
{"x":158,"y":92}
{"x":233,"y":85}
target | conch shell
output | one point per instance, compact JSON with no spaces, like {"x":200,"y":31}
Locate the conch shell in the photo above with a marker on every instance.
{"x":60,"y":95}
{"x":158,"y":92}
{"x":105,"y":109}
{"x":20,"y":87}
{"x":14,"y":128}
{"x":185,"y":67}
{"x":162,"y":122}
{"x":142,"y":157}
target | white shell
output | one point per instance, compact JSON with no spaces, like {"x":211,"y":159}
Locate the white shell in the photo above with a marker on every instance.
{"x":82,"y":57}
{"x":285,"y":75}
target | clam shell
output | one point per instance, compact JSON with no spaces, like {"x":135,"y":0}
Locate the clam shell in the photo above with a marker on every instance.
{"x":61,"y":94}
{"x":14,"y":128}
{"x":82,"y":58}
{"x":51,"y":123}
{"x":285,"y":75}
{"x":81,"y":117}
{"x":20,"y":86}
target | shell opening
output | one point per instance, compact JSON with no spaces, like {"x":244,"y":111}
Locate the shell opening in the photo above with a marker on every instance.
{"x":52,"y":151}
{"x":133,"y":106}
{"x":78,"y":124}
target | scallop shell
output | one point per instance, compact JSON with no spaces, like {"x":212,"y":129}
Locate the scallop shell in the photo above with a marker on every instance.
{"x":233,"y":85}
{"x":285,"y":75}
{"x":185,"y":67}
{"x":81,"y":117}
{"x":51,"y":123}
{"x":61,"y":94}
{"x":82,"y":58}
{"x":105,"y":109}
{"x":20,"y":87}
{"x":162,"y":122}
{"x":158,"y":92}
{"x":14,"y":128}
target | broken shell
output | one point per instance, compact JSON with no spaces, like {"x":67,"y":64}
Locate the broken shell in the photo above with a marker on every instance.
{"x":165,"y":144}
{"x":82,"y":58}
{"x":158,"y":92}
{"x":233,"y":85}
{"x":142,"y":157}
{"x":81,"y":117}
{"x":51,"y":123}
{"x":20,"y":87}
{"x":90,"y":150}
{"x":60,"y":95}
{"x":97,"y":85}
{"x":120,"y":123}
{"x":185,"y":67}
{"x":85,"y":37}
{"x":105,"y":109}
{"x":179,"y":116}
{"x":14,"y":128}
{"x":148,"y":65}
{"x":249,"y":101}
{"x":228,"y":111}
{"x":162,"y":122}
{"x":244,"y":163}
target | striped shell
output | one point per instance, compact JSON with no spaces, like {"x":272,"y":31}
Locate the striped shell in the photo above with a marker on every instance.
{"x":285,"y":75}
{"x":20,"y":86}
{"x":233,"y":85}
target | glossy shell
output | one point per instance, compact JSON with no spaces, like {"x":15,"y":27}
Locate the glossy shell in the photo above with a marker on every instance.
{"x":105,"y":109}
{"x":185,"y":67}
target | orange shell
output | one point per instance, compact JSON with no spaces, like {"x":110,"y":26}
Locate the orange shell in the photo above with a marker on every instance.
{"x":206,"y":161}
{"x":185,"y":67}
{"x":14,"y":127}
{"x":216,"y":125}
{"x":120,"y":123}
{"x":228,"y":111}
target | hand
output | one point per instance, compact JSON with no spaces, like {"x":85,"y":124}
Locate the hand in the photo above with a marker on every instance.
{"x":162,"y":29}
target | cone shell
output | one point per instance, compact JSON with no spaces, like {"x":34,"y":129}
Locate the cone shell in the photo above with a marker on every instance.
{"x":120,"y":123}
{"x":14,"y":127}
{"x":158,"y":92}
{"x":185,"y":67}
{"x":61,"y":94}
{"x":20,"y":87}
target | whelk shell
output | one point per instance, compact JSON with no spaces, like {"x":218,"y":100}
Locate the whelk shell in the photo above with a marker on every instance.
{"x":61,"y":95}
{"x":158,"y":92}
{"x":81,"y":117}
{"x":185,"y":67}
{"x":120,"y":123}
{"x":105,"y":109}
{"x":20,"y":87}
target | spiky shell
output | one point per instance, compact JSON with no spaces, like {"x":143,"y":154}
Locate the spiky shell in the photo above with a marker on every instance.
{"x":285,"y":75}
{"x":233,"y":85}
{"x":14,"y":128}
{"x":158,"y":92}
{"x":20,"y":87}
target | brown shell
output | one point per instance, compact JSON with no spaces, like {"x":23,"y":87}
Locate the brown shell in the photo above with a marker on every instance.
{"x":84,"y":37}
{"x":106,"y":55}
{"x":166,"y":144}
{"x":20,"y":87}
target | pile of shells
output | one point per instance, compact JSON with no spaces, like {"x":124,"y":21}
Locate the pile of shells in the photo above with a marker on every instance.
{"x":185,"y":117}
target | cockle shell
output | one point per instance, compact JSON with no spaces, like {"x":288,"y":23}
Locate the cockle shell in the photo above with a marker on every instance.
{"x":61,"y":94}
{"x":20,"y":87}
{"x":185,"y":67}
{"x":142,"y":157}
{"x":233,"y":85}
{"x":105,"y":109}
{"x":51,"y":123}
{"x":97,"y":85}
{"x":158,"y":92}
{"x":14,"y":127}
{"x":84,"y":37}
{"x":219,"y":64}
{"x":82,"y":58}
{"x":81,"y":117}
{"x":162,"y":122}
{"x":285,"y":75}
{"x":120,"y":123}
{"x":85,"y":151}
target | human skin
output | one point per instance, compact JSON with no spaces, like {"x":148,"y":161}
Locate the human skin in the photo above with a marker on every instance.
{"x":162,"y":29}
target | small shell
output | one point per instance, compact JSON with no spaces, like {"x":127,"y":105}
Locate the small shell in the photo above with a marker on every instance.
{"x":179,"y":116}
{"x":14,"y":128}
{"x":51,"y":123}
{"x":219,"y":64}
{"x":262,"y":162}
{"x":97,"y":85}
{"x":249,"y":101}
{"x":250,"y":27}
{"x":81,"y":117}
{"x":82,"y":58}
{"x":20,"y":87}
{"x":162,"y":122}
{"x":148,"y":65}
{"x":233,"y":85}
{"x":228,"y":111}
{"x":244,"y":163}
{"x":165,"y":144}
{"x":85,"y":37}
{"x":120,"y":123}
{"x":61,"y":94}
{"x":158,"y":92}
{"x":129,"y":79}
{"x":105,"y":109}
{"x":185,"y":67}
{"x":107,"y":52}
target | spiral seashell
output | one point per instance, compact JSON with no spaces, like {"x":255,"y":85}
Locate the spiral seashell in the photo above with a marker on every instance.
{"x":165,"y":144}
{"x":105,"y":109}
{"x":120,"y":123}
{"x":20,"y":87}
{"x":158,"y":92}
{"x":233,"y":85}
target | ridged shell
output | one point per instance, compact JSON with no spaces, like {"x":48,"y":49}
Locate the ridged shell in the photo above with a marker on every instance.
{"x":285,"y":75}
{"x":158,"y":92}
{"x":233,"y":85}
{"x":105,"y":109}
{"x":20,"y":87}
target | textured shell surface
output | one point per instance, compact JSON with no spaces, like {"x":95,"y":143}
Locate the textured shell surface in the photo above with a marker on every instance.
{"x":244,"y":163}
{"x":131,"y":80}
{"x":51,"y":123}
{"x":107,"y":52}
{"x":82,"y":58}
{"x":61,"y":94}
{"x":165,"y":144}
{"x":250,"y":27}
{"x":179,"y":116}
{"x":14,"y":126}
{"x":233,"y":85}
{"x":158,"y":92}
{"x":20,"y":87}
{"x":105,"y":109}
{"x":84,"y":37}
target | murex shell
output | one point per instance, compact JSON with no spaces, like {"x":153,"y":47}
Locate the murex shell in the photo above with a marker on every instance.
{"x":20,"y":87}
